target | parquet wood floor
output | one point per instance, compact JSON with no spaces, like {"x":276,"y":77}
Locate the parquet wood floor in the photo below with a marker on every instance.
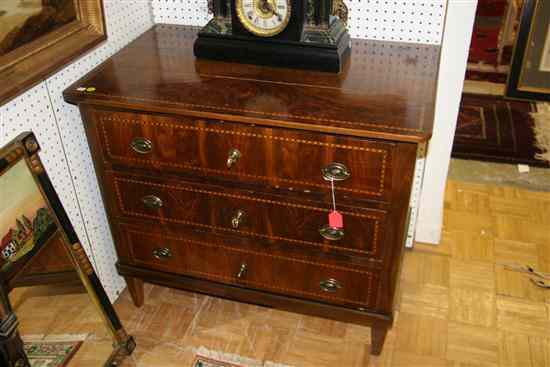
{"x":458,"y":305}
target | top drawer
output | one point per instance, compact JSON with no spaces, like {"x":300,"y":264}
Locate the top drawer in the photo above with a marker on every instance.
{"x":282,"y":159}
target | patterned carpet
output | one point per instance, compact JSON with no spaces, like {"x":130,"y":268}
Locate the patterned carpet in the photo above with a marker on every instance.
{"x":490,"y":128}
{"x":50,"y":353}
{"x":216,"y":358}
{"x":207,"y":362}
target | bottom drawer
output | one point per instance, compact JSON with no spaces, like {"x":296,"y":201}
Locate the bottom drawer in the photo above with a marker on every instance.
{"x":199,"y":256}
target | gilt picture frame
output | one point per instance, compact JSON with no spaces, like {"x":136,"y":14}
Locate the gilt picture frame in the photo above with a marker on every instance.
{"x":38,"y":37}
{"x":31,"y":213}
{"x":529,"y":76}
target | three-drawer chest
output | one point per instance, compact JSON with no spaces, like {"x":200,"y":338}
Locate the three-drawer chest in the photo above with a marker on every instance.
{"x":219,"y":178}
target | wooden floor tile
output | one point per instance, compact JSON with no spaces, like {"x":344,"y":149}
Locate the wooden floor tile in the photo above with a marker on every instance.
{"x":471,"y":200}
{"x":166,"y":355}
{"x":523,"y":253}
{"x":522,"y":317}
{"x":425,"y":268}
{"x":355,"y":354}
{"x":533,"y":196}
{"x":424,"y":299}
{"x":511,"y":207}
{"x":467,"y":221}
{"x":515,"y":229}
{"x":168,"y":322}
{"x":544,"y":257}
{"x":403,"y":359}
{"x":312,"y":350}
{"x":421,"y":335}
{"x":472,"y":246}
{"x":540,"y":212}
{"x":472,"y":306}
{"x":265,"y":341}
{"x":384,"y":359}
{"x":472,"y":274}
{"x":323,"y":327}
{"x":507,"y":192}
{"x":92,"y":354}
{"x":523,"y":350}
{"x":467,"y":198}
{"x":358,"y":333}
{"x":473,"y":344}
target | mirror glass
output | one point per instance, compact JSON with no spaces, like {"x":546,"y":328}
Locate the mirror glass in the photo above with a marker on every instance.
{"x":57,"y":319}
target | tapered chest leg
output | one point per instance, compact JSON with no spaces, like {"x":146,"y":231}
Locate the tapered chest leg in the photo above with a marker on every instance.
{"x":378,"y":336}
{"x":135,"y":287}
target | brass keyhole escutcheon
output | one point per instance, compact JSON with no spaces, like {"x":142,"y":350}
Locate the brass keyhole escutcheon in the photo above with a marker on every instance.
{"x":162,"y":253}
{"x":142,"y":145}
{"x":330,"y":285}
{"x":238,"y":219}
{"x":336,"y":172}
{"x":233,"y":157}
{"x":242,"y":271}
{"x":152,"y":201}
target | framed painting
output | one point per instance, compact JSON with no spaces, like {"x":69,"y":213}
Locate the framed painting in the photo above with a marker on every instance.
{"x":529,"y":76}
{"x":37,"y":37}
{"x":26,"y":223}
{"x":31,"y":215}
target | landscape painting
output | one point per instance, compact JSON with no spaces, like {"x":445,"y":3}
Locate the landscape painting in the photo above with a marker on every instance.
{"x":23,"y":21}
{"x":25,"y":220}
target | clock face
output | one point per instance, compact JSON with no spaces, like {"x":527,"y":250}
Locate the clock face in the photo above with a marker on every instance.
{"x":264,"y":18}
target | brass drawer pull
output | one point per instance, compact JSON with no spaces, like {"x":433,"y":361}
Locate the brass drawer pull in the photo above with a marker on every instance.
{"x":242,"y":271}
{"x":238,"y":219}
{"x":331,"y":233}
{"x":233,"y":157}
{"x":336,"y":172}
{"x":142,"y":145}
{"x":330,"y":285}
{"x":162,"y":253}
{"x":152,"y":201}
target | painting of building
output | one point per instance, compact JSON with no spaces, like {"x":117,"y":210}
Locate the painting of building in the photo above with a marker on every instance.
{"x":8,"y":246}
{"x":25,"y":220}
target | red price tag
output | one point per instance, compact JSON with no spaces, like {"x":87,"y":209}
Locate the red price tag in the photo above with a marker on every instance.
{"x":335,"y":219}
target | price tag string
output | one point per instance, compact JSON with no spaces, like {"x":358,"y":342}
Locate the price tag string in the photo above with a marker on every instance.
{"x":335,"y":219}
{"x":333,"y":195}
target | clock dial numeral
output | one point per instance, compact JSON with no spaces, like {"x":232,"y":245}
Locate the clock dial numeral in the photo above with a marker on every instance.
{"x":264,"y":18}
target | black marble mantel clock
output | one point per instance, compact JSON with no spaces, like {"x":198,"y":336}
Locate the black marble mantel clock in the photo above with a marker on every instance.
{"x":302,"y":34}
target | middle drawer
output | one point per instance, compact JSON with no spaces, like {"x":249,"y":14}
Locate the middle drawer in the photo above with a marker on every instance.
{"x":244,"y":213}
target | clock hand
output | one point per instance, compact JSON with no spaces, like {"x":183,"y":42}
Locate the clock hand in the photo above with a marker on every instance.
{"x":273,"y":10}
{"x":265,"y":6}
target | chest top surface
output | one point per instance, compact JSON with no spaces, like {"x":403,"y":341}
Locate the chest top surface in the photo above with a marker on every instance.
{"x":387,"y":90}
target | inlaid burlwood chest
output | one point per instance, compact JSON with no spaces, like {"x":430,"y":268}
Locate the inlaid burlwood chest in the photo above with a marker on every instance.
{"x":219,"y":178}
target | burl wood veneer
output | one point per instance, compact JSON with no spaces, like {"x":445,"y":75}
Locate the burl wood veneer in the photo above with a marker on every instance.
{"x":212,"y":177}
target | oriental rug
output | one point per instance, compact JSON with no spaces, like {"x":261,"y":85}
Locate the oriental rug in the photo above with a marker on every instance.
{"x":212,"y":358}
{"x":50,"y":353}
{"x":490,"y":128}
